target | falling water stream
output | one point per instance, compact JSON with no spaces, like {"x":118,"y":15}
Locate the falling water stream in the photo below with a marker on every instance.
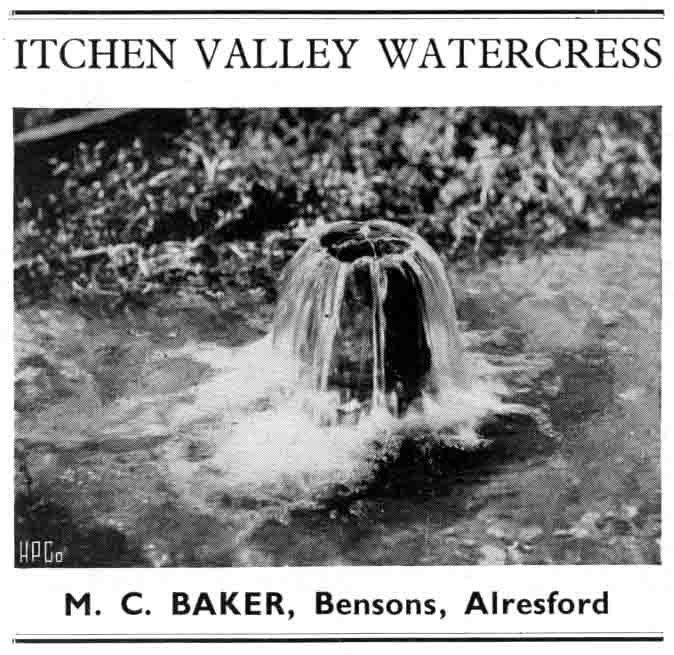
{"x":367,"y":314}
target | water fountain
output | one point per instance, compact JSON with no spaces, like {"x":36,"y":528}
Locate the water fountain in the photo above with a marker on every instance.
{"x":367,"y":315}
{"x":365,"y":355}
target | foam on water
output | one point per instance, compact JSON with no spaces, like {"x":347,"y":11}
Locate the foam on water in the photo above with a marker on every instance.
{"x":269,"y":440}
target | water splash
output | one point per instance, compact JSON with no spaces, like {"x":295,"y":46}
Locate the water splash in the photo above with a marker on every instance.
{"x":365,"y":351}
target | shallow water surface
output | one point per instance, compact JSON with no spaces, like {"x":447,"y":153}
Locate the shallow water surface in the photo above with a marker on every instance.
{"x":131,"y":450}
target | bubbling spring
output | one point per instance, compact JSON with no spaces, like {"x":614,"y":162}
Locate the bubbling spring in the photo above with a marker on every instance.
{"x":365,"y":355}
{"x":367,"y":315}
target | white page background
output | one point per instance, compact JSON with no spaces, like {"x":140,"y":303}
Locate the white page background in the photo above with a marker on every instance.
{"x":640,"y":596}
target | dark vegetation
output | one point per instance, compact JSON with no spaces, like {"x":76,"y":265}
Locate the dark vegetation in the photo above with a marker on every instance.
{"x":219,"y":199}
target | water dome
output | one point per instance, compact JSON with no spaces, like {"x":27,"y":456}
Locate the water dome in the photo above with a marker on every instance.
{"x":367,"y":316}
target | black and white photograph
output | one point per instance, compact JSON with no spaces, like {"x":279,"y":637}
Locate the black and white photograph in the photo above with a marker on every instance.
{"x":337,"y":336}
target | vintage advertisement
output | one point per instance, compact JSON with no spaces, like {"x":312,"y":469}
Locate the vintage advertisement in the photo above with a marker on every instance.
{"x":336,"y":327}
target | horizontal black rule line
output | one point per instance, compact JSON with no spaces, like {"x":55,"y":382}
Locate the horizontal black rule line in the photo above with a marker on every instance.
{"x":337,"y":12}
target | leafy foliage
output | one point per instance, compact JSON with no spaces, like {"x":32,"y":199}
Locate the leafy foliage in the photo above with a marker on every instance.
{"x":231,"y":193}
